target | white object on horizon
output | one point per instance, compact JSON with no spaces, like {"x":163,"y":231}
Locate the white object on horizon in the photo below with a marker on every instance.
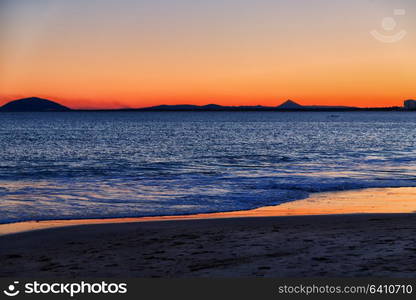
{"x":410,"y":104}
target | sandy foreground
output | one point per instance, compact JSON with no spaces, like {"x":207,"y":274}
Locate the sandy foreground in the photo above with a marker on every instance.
{"x":351,"y":245}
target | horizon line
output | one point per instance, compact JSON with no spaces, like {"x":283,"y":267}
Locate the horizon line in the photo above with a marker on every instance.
{"x":243,"y":106}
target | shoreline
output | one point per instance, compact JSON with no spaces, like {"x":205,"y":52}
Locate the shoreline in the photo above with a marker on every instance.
{"x":400,"y":200}
{"x":373,"y":236}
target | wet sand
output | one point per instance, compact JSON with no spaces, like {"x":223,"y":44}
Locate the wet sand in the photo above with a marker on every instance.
{"x":229,"y":245}
{"x":380,"y":200}
{"x":310,"y":246}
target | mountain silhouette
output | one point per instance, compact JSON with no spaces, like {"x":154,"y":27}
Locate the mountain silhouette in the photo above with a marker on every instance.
{"x":44,"y":105}
{"x":289,"y":104}
{"x":33,"y":104}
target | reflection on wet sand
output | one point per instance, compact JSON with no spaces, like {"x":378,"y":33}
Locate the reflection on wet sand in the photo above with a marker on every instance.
{"x":383,"y":200}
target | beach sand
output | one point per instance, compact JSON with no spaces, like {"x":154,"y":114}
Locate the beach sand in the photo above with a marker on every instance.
{"x":349,"y":245}
{"x":309,"y":246}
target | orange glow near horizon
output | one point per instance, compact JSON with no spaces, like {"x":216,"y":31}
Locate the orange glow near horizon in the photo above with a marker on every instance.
{"x":142,"y":53}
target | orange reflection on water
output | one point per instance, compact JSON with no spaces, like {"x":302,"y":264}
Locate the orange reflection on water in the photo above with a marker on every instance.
{"x":382,"y":200}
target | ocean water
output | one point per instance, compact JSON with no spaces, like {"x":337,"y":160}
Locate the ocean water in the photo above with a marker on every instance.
{"x":117,"y":164}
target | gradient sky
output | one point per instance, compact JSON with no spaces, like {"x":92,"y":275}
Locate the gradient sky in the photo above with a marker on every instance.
{"x":136,"y":53}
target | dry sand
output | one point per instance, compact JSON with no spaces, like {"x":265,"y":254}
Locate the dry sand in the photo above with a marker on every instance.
{"x":382,"y":245}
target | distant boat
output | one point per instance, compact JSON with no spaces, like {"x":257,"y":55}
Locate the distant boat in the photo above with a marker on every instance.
{"x":33,"y":104}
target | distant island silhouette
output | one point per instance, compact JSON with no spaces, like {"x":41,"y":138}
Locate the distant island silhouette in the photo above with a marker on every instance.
{"x":35,"y":104}
{"x":289,"y":105}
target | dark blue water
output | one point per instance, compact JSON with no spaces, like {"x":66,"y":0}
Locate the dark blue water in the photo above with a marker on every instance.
{"x":112,"y":164}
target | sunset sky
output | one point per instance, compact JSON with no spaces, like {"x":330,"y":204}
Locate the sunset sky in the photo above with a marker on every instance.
{"x":137,"y":53}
